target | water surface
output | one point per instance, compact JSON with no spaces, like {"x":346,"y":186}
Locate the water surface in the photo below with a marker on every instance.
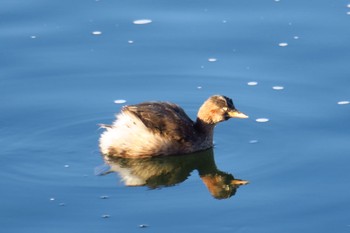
{"x":59,"y":80}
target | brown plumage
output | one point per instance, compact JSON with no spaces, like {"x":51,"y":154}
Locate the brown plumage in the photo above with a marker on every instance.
{"x":162,"y":128}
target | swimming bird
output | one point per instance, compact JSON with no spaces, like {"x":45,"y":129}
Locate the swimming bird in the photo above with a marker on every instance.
{"x":163,"y":128}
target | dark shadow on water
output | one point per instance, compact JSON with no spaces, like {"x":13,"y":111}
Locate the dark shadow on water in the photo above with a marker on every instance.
{"x":157,"y":172}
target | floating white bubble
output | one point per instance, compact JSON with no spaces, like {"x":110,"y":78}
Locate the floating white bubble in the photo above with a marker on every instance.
{"x":142,"y":21}
{"x":262,"y":120}
{"x":283,"y":44}
{"x":66,"y":166}
{"x":252,"y":83}
{"x":277,"y":88}
{"x":343,"y":102}
{"x":96,"y":33}
{"x":33,"y":37}
{"x":52,"y":199}
{"x":212,"y":59}
{"x":130,"y":41}
{"x":199,"y":87}
{"x":253,"y":141}
{"x":120,"y":101}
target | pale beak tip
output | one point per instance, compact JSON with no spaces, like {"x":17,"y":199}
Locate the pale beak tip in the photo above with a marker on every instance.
{"x":242,"y":115}
{"x":237,"y":114}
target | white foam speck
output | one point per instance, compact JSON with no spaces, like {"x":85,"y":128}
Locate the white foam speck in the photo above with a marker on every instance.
{"x":277,"y":88}
{"x":262,"y":120}
{"x":66,"y":166}
{"x":96,"y":33}
{"x":130,"y":41}
{"x":199,"y":87}
{"x":283,"y":44}
{"x":142,"y":21}
{"x":33,"y":37}
{"x":253,"y":83}
{"x":52,"y":199}
{"x":120,"y":101}
{"x":343,"y":102}
{"x":212,"y":59}
{"x":253,"y":141}
{"x":296,"y":37}
{"x":348,"y":13}
{"x":348,"y":6}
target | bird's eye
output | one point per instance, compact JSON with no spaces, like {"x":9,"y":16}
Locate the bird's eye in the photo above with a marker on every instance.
{"x":225,"y":109}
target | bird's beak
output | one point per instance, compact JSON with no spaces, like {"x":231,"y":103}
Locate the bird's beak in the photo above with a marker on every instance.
{"x":239,"y":182}
{"x":237,"y":114}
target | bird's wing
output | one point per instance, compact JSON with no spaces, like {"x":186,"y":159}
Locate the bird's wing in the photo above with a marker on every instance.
{"x":164,"y":118}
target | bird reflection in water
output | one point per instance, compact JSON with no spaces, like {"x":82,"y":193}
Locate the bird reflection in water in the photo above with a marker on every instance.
{"x":157,"y":172}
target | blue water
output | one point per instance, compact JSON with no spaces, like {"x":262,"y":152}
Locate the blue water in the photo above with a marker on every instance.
{"x":58,"y":81}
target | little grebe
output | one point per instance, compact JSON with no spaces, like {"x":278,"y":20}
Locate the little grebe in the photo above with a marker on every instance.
{"x":162,"y":128}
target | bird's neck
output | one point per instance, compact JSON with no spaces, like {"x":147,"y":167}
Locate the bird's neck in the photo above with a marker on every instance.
{"x":206,"y":132}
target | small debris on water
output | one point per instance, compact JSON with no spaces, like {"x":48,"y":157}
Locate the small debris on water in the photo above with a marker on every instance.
{"x":105,"y":216}
{"x":343,"y":102}
{"x":253,"y":141}
{"x":62,"y":204}
{"x":96,"y":33}
{"x":252,"y":83}
{"x":120,"y":101}
{"x":212,"y":59}
{"x":262,"y":120}
{"x":277,"y":88}
{"x":143,"y":226}
{"x":142,"y":21}
{"x":283,"y":44}
{"x":104,"y":197}
{"x":52,"y":199}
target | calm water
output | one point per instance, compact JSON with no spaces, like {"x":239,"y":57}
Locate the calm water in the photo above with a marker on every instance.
{"x":58,"y":80}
